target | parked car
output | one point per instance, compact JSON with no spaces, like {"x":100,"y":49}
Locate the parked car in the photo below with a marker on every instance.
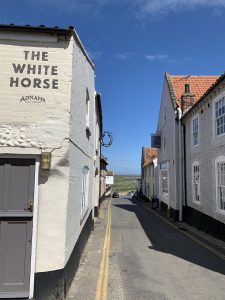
{"x":130,"y":193}
{"x":115,"y":195}
{"x":134,"y":195}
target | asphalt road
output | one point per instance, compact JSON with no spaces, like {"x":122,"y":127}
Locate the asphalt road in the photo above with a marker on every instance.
{"x":144,"y":259}
{"x":149,"y":259}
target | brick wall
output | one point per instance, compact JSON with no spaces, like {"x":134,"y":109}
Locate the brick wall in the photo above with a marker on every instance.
{"x":210,"y":147}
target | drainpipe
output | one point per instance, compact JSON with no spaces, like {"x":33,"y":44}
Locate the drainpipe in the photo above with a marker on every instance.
{"x":184,"y":165}
{"x":179,"y":112}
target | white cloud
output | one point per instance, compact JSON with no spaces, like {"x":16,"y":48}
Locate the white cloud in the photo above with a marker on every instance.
{"x":141,"y":8}
{"x":159,"y":8}
{"x":124,"y":56}
{"x":71,"y":5}
{"x":161,"y":58}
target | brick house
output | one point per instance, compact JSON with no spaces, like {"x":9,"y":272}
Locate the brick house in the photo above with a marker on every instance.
{"x":204,"y":127}
{"x":50,"y":124}
{"x":176,"y":99}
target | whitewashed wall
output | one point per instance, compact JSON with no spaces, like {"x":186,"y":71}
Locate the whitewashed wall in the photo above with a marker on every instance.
{"x":210,"y":147}
{"x":82,"y":148}
{"x":38,"y":118}
{"x":168,"y":154}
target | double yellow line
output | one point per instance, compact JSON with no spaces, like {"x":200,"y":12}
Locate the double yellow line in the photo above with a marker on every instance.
{"x":101,"y":292}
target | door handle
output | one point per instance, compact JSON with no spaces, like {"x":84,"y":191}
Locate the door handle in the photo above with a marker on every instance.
{"x":29,"y":206}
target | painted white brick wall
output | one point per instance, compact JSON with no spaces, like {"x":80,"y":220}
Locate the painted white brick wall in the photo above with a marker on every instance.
{"x":83,"y":155}
{"x":40,"y":125}
{"x":57,"y":124}
{"x":168,"y":132}
{"x":206,"y":153}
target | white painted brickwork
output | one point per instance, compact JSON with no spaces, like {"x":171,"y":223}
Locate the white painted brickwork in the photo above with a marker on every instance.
{"x":168,"y":154}
{"x":206,"y":153}
{"x":83,"y":78}
{"x":57,"y":124}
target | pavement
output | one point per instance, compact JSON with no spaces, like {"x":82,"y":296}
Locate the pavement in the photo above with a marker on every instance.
{"x":135,"y":253}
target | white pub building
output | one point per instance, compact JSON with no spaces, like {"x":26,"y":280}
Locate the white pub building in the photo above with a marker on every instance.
{"x":49,"y":152}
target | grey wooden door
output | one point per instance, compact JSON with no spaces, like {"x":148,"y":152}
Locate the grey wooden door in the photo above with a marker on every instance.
{"x":16,"y":217}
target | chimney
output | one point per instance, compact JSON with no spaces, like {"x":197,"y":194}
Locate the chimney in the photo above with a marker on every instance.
{"x":187,"y":99}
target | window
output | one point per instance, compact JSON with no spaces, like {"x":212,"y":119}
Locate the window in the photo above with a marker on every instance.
{"x":164,"y":179}
{"x":196,"y":182}
{"x":87,"y":108}
{"x":221,"y":184}
{"x":195,"y":131}
{"x":85,"y":186}
{"x":220,"y":116}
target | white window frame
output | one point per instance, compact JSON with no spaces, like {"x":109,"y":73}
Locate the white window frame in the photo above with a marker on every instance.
{"x":196,"y":117}
{"x":84,"y":191}
{"x":220,"y":159}
{"x":164,"y":166}
{"x":195,"y":164}
{"x":214,"y":116}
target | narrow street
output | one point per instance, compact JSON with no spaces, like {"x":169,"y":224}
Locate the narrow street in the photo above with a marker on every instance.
{"x":148,"y":259}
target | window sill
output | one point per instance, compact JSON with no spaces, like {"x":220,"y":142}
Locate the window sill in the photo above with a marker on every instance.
{"x":165,"y":198}
{"x":221,"y":212}
{"x":219,"y":136}
{"x":195,"y":146}
{"x":197,"y":202}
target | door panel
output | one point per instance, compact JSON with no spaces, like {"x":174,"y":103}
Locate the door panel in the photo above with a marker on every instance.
{"x":17,"y":190}
{"x":2,"y":172}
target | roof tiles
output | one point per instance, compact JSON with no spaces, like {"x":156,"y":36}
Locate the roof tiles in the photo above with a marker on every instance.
{"x":148,"y":155}
{"x":198,"y":85}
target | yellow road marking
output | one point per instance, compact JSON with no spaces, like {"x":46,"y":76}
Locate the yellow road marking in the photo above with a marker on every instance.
{"x":105,"y":283}
{"x":188,"y":235}
{"x":104,"y":262}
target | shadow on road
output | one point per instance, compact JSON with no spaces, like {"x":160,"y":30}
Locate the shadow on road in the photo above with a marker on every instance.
{"x":166,"y":239}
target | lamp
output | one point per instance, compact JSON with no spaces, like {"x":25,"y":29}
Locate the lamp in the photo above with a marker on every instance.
{"x":46,"y":160}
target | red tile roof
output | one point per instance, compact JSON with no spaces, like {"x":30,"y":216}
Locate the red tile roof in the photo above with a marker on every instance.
{"x":198,"y":85}
{"x":148,"y":155}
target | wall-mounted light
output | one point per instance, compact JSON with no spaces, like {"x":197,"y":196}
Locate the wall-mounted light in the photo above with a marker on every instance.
{"x":46,"y":160}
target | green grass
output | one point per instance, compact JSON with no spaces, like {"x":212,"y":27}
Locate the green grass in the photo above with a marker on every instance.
{"x":125,"y":183}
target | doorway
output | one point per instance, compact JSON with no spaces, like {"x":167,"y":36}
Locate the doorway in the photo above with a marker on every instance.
{"x":17,"y":184}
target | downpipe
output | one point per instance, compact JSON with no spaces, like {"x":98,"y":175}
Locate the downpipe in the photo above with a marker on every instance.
{"x":179,"y":112}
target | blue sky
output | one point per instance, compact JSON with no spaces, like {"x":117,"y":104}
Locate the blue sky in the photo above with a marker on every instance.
{"x":133,"y":43}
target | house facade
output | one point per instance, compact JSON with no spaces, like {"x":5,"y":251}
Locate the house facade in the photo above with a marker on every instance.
{"x":103,"y":168}
{"x":149,"y":165}
{"x":47,"y":159}
{"x":97,"y":156}
{"x":204,"y":127}
{"x":176,"y":99}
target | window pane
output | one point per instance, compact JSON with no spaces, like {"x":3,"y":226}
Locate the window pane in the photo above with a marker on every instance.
{"x":164,"y":177}
{"x":220,"y":116}
{"x":196,"y":182}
